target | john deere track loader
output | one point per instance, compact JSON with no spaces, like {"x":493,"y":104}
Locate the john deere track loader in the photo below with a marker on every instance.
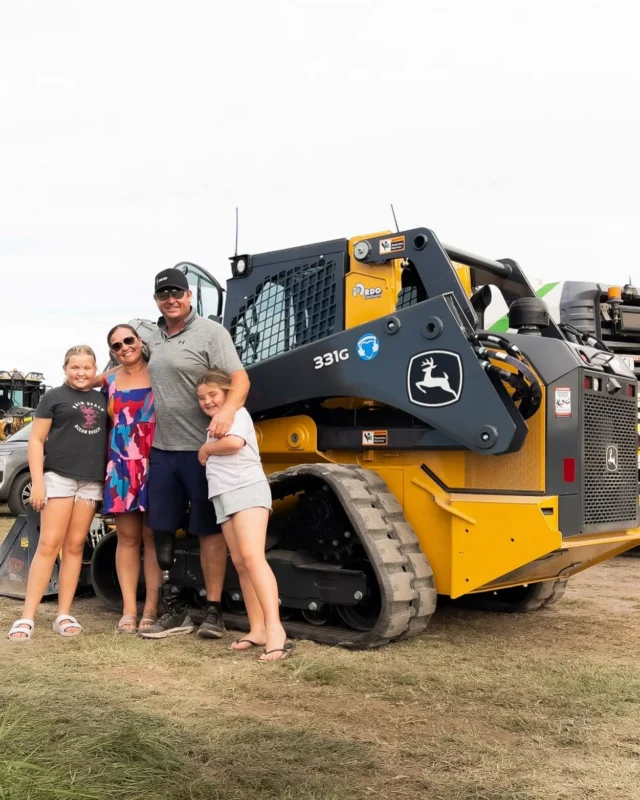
{"x":412,"y":454}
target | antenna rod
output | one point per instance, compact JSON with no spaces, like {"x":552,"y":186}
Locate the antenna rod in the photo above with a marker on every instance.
{"x":236,"y":230}
{"x":394,"y":219}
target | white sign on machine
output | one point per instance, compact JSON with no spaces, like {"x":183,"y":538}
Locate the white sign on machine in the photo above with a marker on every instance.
{"x":563,"y":401}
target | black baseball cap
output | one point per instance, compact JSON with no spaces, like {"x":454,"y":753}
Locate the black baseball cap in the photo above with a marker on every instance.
{"x":171,"y":279}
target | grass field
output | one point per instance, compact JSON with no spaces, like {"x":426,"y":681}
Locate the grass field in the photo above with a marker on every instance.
{"x":488,"y":707}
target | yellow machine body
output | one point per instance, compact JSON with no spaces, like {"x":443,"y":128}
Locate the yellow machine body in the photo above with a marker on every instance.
{"x":473,"y":542}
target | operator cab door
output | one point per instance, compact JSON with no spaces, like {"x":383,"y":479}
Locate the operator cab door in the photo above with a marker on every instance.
{"x":208,"y":295}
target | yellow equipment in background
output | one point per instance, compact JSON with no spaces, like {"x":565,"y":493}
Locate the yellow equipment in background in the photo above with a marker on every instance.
{"x":20,"y":393}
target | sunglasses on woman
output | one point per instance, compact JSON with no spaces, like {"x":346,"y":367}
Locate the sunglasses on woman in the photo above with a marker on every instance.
{"x":128,"y":340}
{"x":165,"y":294}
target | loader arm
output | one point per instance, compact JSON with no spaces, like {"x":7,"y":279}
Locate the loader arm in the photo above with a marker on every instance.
{"x":470,"y":409}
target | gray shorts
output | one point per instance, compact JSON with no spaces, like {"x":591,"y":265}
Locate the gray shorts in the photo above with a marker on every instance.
{"x":256,"y":495}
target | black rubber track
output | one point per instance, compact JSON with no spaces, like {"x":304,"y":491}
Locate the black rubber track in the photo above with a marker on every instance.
{"x":546,"y":594}
{"x":405,"y":577}
{"x":534,"y":597}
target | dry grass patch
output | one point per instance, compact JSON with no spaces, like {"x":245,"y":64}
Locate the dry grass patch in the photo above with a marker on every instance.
{"x":86,"y":752}
{"x":455,"y":716}
{"x":483,"y":707}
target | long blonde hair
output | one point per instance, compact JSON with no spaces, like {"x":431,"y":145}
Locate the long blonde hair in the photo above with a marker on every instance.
{"x":78,"y":350}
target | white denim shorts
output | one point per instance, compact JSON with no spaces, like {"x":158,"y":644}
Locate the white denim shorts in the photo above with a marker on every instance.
{"x":256,"y":495}
{"x":61,"y":486}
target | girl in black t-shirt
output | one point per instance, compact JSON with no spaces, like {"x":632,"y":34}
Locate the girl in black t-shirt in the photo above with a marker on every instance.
{"x":67,"y":458}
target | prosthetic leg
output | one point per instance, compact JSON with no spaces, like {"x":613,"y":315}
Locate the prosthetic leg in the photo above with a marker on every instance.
{"x":165,"y":543}
{"x":175,"y":619}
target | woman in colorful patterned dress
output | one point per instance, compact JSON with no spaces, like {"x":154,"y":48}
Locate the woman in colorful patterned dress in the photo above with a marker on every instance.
{"x":132,"y":415}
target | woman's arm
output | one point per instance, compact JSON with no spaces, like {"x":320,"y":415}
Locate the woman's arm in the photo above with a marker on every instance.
{"x":35,"y":453}
{"x":97,"y":382}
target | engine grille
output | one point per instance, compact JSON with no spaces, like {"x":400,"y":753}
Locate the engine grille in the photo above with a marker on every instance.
{"x":288,"y":309}
{"x":610,"y":495}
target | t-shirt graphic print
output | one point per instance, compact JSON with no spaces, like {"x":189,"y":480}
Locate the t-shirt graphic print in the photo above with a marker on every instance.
{"x":91,"y":418}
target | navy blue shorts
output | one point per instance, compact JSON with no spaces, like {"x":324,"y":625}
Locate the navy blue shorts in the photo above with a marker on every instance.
{"x":177,"y":484}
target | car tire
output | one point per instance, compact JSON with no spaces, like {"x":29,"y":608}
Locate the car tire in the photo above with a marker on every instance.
{"x":19,"y":494}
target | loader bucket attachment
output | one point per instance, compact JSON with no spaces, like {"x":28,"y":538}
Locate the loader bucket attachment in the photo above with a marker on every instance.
{"x":16,"y":554}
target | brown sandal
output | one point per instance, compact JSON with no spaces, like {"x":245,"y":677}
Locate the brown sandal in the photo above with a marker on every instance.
{"x":146,"y":622}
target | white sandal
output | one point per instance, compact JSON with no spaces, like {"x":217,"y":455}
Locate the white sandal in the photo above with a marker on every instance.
{"x":21,"y":626}
{"x":63,"y":623}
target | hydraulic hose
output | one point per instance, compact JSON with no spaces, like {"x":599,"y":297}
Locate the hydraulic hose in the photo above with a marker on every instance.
{"x":528,"y":391}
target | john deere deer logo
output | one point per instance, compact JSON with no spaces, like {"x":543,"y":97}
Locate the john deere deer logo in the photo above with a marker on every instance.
{"x":434,"y":378}
{"x":612,"y":458}
{"x":431,"y":382}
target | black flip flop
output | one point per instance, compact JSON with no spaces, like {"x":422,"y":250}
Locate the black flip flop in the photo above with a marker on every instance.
{"x":287,"y":650}
{"x":245,"y":649}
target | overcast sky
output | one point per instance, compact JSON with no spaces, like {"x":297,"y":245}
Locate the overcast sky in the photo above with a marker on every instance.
{"x":129,"y":131}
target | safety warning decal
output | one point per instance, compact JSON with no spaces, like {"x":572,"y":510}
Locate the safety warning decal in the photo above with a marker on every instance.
{"x":24,"y":542}
{"x":391,"y":245}
{"x":374,"y":438}
{"x":563,"y":401}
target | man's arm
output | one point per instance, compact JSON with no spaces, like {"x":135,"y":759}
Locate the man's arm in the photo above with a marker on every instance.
{"x":224,"y":356}
{"x":236,"y":398}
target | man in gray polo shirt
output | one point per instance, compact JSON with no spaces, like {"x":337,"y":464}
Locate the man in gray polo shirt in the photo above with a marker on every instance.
{"x":181,"y":349}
